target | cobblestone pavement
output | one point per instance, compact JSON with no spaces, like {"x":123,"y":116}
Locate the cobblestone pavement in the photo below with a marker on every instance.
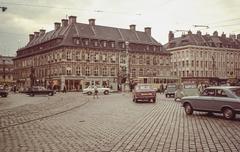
{"x":76,"y":122}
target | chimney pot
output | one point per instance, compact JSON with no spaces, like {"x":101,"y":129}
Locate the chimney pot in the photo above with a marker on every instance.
{"x":148,"y":30}
{"x":238,"y":36}
{"x":215,"y":33}
{"x":132,"y":27}
{"x":36,"y":34}
{"x":91,"y":21}
{"x":199,"y":33}
{"x":72,"y":19}
{"x":189,"y":32}
{"x":42,"y":32}
{"x":31,"y":37}
{"x":64,"y":22}
{"x":223,"y":35}
{"x":57,"y":25}
{"x":170,"y":36}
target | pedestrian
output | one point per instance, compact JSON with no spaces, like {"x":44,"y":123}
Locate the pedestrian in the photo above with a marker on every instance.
{"x":95,"y":94}
{"x":64,"y":89}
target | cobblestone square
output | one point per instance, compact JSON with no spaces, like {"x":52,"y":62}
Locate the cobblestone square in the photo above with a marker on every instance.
{"x":77,"y":122}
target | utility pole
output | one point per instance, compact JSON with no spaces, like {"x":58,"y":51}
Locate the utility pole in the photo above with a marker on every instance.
{"x":3,"y":8}
{"x":4,"y":74}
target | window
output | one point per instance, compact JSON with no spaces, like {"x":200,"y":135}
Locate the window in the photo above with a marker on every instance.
{"x":133,"y":59}
{"x":104,"y":44}
{"x":104,"y":58}
{"x":95,"y":43}
{"x":208,"y":92}
{"x":87,"y":71}
{"x":78,"y":70}
{"x":221,"y":93}
{"x":133,"y":72}
{"x":104,"y":71}
{"x":87,"y":56}
{"x":69,"y":55}
{"x":148,"y":60}
{"x":78,"y":56}
{"x":86,"y":42}
{"x":113,"y":72}
{"x":122,"y":59}
{"x":141,"y":72}
{"x":112,"y":44}
{"x":141,"y":59}
{"x":113,"y":58}
{"x":69,"y":71}
{"x":96,"y":71}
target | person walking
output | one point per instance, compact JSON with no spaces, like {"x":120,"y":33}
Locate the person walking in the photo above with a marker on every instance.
{"x":95,"y":94}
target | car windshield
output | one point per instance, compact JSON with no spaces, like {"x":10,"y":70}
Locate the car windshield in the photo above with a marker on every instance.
{"x":236,"y":91}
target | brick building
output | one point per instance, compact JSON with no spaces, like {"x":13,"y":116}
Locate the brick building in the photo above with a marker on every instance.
{"x":76,"y":55}
{"x":205,"y":58}
{"x":6,"y":70}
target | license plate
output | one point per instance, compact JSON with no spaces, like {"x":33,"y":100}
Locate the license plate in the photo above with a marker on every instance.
{"x":146,"y":94}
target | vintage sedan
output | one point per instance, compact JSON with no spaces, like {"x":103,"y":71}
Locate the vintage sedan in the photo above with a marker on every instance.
{"x":144,"y":92}
{"x":39,"y":90}
{"x":3,"y":92}
{"x":90,"y":90}
{"x":216,"y":99}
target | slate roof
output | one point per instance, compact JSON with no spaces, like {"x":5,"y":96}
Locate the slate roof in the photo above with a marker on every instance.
{"x":93,"y":32}
{"x":204,"y":40}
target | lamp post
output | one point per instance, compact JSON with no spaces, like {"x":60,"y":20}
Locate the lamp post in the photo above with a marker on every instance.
{"x":3,"y":8}
{"x":4,"y":75}
{"x":127,"y":61}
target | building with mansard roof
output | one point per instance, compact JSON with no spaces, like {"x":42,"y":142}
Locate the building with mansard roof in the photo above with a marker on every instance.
{"x":76,"y":55}
{"x":205,"y":58}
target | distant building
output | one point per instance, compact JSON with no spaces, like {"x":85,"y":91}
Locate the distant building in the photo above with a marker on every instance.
{"x":6,"y":70}
{"x":205,"y":58}
{"x":76,"y":55}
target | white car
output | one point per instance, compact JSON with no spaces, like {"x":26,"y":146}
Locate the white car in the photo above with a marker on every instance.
{"x":90,"y":90}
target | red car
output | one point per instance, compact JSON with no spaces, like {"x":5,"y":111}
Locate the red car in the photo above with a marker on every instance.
{"x":144,"y":92}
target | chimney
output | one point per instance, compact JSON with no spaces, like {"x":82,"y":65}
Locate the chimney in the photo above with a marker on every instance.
{"x":199,"y":33}
{"x":42,"y":32}
{"x":91,"y":21}
{"x":72,"y":19}
{"x":31,"y":37}
{"x":223,"y":35}
{"x":189,"y":32}
{"x":233,"y":36}
{"x":57,"y":25}
{"x":170,"y":36}
{"x":215,"y":33}
{"x":132,"y":27}
{"x":148,"y":30}
{"x":36,"y":34}
{"x":64,"y":22}
{"x":238,"y":36}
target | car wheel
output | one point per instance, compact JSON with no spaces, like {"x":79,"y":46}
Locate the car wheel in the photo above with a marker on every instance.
{"x":106,"y":92}
{"x":228,"y":113}
{"x":154,"y":100}
{"x":89,"y":93}
{"x":50,"y":94}
{"x":166,"y":96}
{"x":32,"y":94}
{"x":188,"y":109}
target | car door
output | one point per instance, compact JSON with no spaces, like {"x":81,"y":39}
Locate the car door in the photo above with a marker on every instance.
{"x":203,"y":102}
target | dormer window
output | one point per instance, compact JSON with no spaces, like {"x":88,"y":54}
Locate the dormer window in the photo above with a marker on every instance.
{"x":95,"y":43}
{"x":154,"y":48}
{"x":86,"y":42}
{"x":112,"y":44}
{"x":104,"y":44}
{"x":147,"y":48}
{"x":123,"y":45}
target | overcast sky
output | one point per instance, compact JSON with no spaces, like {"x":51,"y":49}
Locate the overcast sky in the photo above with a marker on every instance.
{"x":26,"y":16}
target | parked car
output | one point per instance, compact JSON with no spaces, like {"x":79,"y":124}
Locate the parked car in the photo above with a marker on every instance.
{"x":144,"y":92}
{"x":39,"y":90}
{"x":90,"y":90}
{"x":170,"y":90}
{"x":186,"y":90}
{"x":3,"y":92}
{"x":218,"y":99}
